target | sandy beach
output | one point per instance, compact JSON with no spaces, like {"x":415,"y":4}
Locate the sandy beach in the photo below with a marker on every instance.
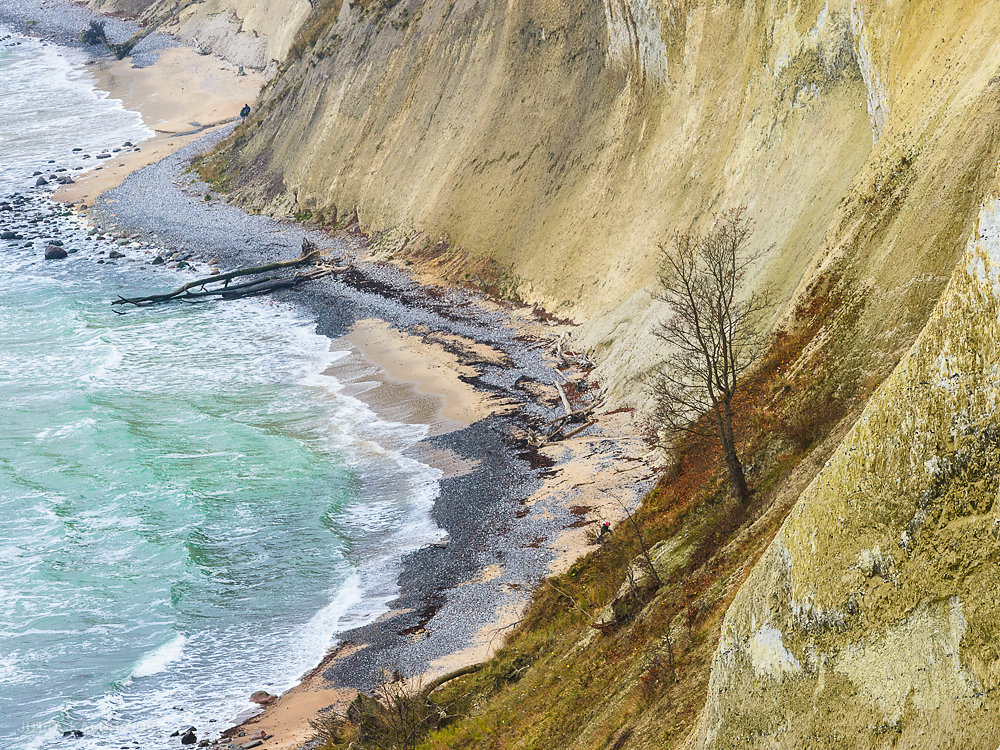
{"x":478,"y":373}
{"x":181,"y":96}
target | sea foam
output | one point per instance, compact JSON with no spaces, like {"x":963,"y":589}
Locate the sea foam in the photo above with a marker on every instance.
{"x":156,"y":661}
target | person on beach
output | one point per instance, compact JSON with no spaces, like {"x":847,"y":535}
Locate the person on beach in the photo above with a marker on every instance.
{"x":245,"y":112}
{"x":605,"y":529}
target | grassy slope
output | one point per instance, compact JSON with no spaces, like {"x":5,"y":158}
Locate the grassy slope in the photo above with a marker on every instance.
{"x":558,"y":682}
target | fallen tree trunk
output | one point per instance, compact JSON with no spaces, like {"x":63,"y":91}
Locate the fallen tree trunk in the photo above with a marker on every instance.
{"x":219,"y":285}
{"x":439,"y":681}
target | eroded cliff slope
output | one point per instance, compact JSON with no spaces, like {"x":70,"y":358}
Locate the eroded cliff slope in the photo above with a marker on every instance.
{"x":566,"y":140}
{"x":871,"y":620}
{"x":254,"y":33}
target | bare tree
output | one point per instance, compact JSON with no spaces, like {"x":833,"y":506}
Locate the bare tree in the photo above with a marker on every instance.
{"x":713,"y":332}
{"x":642,"y":546}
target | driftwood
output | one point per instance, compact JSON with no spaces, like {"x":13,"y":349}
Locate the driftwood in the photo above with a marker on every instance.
{"x":567,"y":358}
{"x":434,"y":684}
{"x":562,"y":397}
{"x":219,"y":285}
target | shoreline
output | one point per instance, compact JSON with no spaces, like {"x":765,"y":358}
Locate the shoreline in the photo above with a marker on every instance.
{"x":513,"y":514}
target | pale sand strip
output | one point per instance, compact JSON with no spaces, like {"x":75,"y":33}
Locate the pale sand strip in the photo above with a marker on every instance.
{"x":420,"y":373}
{"x":181,"y":96}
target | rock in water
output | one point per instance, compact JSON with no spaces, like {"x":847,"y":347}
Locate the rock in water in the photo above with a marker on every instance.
{"x":41,"y":181}
{"x":263,"y":698}
{"x":73,"y":734}
{"x":9,"y":236}
{"x":157,"y":261}
{"x":115,"y":254}
{"x":54,"y":252}
{"x":189,"y":738}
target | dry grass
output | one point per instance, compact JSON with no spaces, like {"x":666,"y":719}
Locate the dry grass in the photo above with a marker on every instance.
{"x":642,"y":683}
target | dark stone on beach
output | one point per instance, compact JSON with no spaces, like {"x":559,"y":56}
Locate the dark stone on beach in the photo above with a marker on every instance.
{"x":61,"y":169}
{"x":255,"y":743}
{"x":41,"y":181}
{"x":114,"y":254}
{"x":73,"y":734}
{"x":104,"y":156}
{"x":157,"y":261}
{"x":10,"y":236}
{"x":128,"y":144}
{"x":35,"y":174}
{"x":263,"y":698}
{"x":51,"y":161}
{"x":54,"y":252}
{"x":67,"y":181}
{"x":189,"y":738}
{"x":77,"y":150}
{"x":60,"y":243}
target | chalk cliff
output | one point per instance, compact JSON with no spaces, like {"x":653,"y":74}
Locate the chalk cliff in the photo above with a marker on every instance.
{"x":565,"y":141}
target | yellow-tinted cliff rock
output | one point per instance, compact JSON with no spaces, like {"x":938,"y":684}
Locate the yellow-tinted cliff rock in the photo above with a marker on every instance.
{"x":871,"y":621}
{"x":254,"y":33}
{"x":565,"y":140}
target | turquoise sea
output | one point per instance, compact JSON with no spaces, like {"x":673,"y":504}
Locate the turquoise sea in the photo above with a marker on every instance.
{"x":190,"y":509}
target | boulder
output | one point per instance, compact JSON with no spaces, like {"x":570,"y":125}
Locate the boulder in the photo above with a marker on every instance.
{"x":10,"y":236}
{"x":54,"y":252}
{"x":73,"y":734}
{"x":189,"y":738}
{"x":41,"y":181}
{"x":263,"y":698}
{"x":157,"y":261}
{"x":115,"y":254}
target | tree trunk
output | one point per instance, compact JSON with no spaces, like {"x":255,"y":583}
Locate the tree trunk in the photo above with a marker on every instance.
{"x":737,"y":477}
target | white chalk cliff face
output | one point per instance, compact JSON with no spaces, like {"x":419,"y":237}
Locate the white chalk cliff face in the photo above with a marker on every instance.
{"x":871,"y":620}
{"x":253,"y":33}
{"x":564,"y":142}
